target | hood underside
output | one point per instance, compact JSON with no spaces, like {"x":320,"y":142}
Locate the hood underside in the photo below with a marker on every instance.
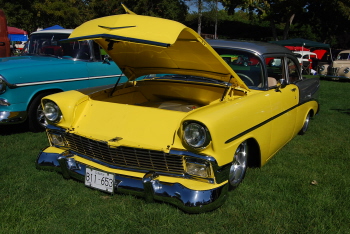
{"x":142,"y":45}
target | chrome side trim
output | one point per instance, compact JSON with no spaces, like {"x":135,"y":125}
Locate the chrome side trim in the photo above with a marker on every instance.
{"x":149,"y":187}
{"x":64,"y":80}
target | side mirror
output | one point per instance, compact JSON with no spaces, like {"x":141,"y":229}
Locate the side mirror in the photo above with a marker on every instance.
{"x":282,"y":83}
{"x":106,"y":59}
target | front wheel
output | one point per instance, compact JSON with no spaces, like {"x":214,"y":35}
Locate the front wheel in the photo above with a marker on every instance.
{"x":239,"y":165}
{"x":36,"y":117}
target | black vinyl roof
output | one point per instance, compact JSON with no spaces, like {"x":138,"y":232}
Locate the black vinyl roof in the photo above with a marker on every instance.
{"x":256,"y":47}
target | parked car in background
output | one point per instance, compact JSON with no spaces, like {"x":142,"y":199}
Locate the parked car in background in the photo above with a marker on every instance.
{"x":48,"y":66}
{"x":339,"y":69}
{"x":184,"y":137}
{"x":19,"y":45}
{"x":306,"y":59}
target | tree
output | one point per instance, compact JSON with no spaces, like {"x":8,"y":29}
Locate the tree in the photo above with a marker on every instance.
{"x":207,"y":8}
{"x":277,"y":12}
{"x":19,"y":14}
{"x":329,"y":20}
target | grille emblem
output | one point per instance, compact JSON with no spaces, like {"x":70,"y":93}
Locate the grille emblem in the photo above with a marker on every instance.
{"x":116,"y":139}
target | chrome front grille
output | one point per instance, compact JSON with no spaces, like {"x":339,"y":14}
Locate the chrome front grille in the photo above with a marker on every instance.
{"x":334,"y":71}
{"x":126,"y":156}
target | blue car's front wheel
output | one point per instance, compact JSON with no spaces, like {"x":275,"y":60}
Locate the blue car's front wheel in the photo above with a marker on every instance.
{"x":36,"y":117}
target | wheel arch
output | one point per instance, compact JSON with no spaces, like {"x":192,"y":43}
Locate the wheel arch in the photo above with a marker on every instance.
{"x":45,"y":91}
{"x":254,"y":159}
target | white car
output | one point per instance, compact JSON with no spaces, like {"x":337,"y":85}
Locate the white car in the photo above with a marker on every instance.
{"x":305,"y":59}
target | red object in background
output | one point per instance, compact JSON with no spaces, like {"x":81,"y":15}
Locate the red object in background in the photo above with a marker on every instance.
{"x":320,"y":53}
{"x":5,"y":50}
{"x":13,"y":30}
{"x":297,"y":48}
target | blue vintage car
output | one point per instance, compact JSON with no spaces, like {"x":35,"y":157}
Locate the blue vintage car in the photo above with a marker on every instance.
{"x":47,"y":66}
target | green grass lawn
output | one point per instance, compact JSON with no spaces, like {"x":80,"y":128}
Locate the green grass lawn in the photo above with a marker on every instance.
{"x":303,"y":189}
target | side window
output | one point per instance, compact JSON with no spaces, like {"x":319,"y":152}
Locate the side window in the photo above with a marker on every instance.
{"x":293,"y":74}
{"x":99,"y":52}
{"x":275,"y":70}
{"x":96,"y":49}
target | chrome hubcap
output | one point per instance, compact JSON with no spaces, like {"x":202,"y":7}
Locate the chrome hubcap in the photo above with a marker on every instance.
{"x":239,"y":165}
{"x":306,"y":123}
{"x":40,"y":117}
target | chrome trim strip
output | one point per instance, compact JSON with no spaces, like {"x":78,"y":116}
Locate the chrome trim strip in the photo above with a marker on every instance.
{"x":65,"y":80}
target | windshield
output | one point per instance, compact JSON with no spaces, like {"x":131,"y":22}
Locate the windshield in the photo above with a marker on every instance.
{"x":246,"y":65}
{"x":343,"y":56}
{"x":48,"y":44}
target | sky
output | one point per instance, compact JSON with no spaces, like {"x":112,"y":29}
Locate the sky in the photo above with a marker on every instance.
{"x":194,"y":8}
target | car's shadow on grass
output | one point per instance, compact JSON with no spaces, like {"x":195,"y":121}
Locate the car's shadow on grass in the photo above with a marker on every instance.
{"x":335,"y":79}
{"x":13,"y":129}
{"x":344,"y":111}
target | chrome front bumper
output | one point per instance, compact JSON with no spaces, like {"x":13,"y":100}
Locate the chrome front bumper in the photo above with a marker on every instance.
{"x":7,"y":117}
{"x":148,"y":187}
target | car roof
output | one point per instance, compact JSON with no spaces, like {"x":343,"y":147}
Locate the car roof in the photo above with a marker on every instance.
{"x":256,"y":47}
{"x":345,"y":51}
{"x":64,"y":31}
{"x":304,"y":52}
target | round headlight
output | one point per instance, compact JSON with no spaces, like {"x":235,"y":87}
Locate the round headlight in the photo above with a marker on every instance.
{"x":196,"y":135}
{"x":346,"y":70}
{"x":322,"y":68}
{"x":52,"y":111}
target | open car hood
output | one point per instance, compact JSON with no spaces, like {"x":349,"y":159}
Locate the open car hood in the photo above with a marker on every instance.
{"x":142,"y":45}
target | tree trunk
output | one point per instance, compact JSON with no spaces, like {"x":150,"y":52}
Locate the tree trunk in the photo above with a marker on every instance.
{"x":273,"y":28}
{"x":287,"y":27}
{"x":199,"y":17}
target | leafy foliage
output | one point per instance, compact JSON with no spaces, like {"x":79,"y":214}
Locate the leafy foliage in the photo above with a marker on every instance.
{"x":320,"y":20}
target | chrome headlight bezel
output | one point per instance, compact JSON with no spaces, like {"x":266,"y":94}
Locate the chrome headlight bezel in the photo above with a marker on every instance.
{"x":195,"y":135}
{"x":346,"y":70}
{"x":52,"y":111}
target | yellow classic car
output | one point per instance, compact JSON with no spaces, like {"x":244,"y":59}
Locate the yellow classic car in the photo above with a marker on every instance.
{"x":186,"y":133}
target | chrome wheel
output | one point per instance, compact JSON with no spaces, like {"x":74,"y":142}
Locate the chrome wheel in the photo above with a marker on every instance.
{"x":40,"y":116}
{"x":305,"y":125}
{"x":239,"y":165}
